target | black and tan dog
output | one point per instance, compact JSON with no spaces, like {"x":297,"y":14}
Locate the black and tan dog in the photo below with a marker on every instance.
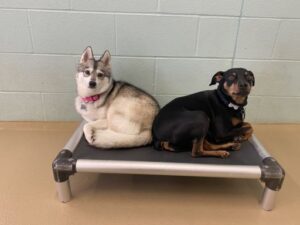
{"x":209,"y":122}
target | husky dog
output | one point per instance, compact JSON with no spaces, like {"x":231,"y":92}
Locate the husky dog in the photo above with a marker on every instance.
{"x":118,"y":114}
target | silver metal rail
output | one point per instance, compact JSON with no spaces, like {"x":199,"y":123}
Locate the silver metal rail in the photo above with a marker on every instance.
{"x":259,"y":147}
{"x":169,"y":169}
{"x":75,"y":138}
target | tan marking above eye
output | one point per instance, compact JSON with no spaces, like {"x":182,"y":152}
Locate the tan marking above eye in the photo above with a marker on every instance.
{"x":232,"y":76}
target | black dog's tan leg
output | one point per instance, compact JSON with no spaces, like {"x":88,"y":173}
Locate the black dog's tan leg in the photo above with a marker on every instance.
{"x":218,"y":153}
{"x":165,"y":145}
{"x":197,"y":147}
{"x":199,"y":150}
{"x":245,"y":132}
{"x":209,"y":146}
{"x":248,"y":131}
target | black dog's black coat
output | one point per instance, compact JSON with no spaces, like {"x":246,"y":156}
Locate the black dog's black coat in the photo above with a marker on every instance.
{"x":193,"y":116}
{"x":212,"y":115}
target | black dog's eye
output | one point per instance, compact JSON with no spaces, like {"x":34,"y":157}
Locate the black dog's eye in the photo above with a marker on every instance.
{"x":249,"y":78}
{"x":87,"y":72}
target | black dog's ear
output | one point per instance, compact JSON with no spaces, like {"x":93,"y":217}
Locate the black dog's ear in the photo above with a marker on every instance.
{"x":216,"y":78}
{"x":250,"y":72}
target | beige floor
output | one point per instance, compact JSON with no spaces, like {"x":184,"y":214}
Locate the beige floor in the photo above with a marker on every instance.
{"x":27,"y":194}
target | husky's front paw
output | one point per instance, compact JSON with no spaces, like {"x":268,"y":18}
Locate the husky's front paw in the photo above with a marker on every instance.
{"x":89,"y":133}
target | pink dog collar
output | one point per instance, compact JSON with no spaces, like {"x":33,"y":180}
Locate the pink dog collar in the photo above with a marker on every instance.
{"x":91,"y":98}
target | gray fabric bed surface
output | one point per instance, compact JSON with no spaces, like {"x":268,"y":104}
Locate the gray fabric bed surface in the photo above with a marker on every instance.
{"x":246,"y":156}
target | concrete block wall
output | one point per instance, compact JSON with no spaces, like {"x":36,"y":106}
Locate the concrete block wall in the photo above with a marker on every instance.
{"x":168,"y":47}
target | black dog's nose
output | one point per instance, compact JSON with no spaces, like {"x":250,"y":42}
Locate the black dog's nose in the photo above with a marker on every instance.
{"x":243,"y":85}
{"x":92,"y":84}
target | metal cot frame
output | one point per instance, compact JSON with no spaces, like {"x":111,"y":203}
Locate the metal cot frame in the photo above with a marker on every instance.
{"x":269,"y":172}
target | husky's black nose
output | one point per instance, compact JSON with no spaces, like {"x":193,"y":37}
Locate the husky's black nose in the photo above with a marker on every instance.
{"x":92,"y":84}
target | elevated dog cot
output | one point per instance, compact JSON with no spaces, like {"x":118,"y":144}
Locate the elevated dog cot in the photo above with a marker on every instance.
{"x":251,"y":162}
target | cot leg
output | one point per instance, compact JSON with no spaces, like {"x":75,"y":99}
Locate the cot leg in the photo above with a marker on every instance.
{"x":63,"y":190}
{"x":63,"y":166}
{"x":268,"y":199}
{"x":273,"y":177}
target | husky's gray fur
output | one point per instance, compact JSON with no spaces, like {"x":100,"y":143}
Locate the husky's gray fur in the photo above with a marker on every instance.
{"x":122,"y":116}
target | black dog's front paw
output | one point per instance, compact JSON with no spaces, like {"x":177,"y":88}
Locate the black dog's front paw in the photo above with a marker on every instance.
{"x":237,"y":143}
{"x":238,"y":139}
{"x":224,"y":154}
{"x":236,"y":146}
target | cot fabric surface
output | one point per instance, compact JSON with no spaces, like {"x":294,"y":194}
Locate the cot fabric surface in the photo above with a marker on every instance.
{"x":246,"y":156}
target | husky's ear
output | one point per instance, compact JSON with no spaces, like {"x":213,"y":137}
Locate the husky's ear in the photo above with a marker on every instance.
{"x":105,"y":58}
{"x":86,"y":55}
{"x":216,"y":78}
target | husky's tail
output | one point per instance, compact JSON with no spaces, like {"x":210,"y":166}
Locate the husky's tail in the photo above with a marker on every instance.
{"x":111,"y":139}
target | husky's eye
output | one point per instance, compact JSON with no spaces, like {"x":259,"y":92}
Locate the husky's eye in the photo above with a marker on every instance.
{"x":87,"y":72}
{"x":100,"y":75}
